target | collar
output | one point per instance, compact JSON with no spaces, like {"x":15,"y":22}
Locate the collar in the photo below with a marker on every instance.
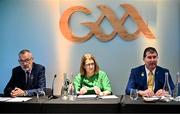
{"x":147,"y":71}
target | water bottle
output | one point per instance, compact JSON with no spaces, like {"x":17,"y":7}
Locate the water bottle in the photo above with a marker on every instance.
{"x":64,"y":90}
{"x":71,"y":92}
{"x":176,"y":92}
{"x":71,"y":89}
{"x":166,"y":86}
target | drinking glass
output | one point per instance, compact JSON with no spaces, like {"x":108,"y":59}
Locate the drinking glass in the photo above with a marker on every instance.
{"x":40,"y":92}
{"x":133,"y":94}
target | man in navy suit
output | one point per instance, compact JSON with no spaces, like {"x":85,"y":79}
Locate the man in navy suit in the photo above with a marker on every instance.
{"x":28,"y":79}
{"x":139,"y":76}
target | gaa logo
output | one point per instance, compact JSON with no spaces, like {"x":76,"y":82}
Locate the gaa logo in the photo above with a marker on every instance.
{"x":117,"y":24}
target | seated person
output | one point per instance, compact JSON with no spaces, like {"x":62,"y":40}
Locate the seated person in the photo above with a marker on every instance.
{"x":28,"y":79}
{"x":91,"y":80}
{"x":149,"y":78}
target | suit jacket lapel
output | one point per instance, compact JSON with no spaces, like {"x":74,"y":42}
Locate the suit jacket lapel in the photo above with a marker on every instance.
{"x":145,"y":77}
{"x":22,"y":75}
{"x":156,"y":77}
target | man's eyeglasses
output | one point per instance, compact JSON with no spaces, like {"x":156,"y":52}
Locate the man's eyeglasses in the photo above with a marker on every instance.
{"x":90,"y":64}
{"x":25,"y":61}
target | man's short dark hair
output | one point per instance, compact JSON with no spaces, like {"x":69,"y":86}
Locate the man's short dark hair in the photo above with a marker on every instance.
{"x":24,"y":51}
{"x":151,"y":50}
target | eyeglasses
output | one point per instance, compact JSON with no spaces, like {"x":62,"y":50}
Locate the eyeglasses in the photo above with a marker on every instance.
{"x":89,"y":64}
{"x":25,"y":61}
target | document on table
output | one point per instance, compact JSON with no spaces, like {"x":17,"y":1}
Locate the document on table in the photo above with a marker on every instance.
{"x":96,"y":96}
{"x":87,"y":96}
{"x":3,"y":99}
{"x":15,"y":99}
{"x":109,"y":97}
{"x":153,"y":98}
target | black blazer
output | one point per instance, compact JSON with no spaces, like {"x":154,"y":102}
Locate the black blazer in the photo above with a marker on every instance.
{"x":36,"y":83}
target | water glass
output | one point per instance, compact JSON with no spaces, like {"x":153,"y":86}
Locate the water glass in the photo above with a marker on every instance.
{"x":134,"y":94}
{"x":40,"y":93}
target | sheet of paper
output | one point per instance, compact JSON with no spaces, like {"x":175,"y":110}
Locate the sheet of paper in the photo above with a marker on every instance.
{"x":151,"y":98}
{"x":3,"y":99}
{"x":87,"y":96}
{"x":109,"y":97}
{"x":19,"y":99}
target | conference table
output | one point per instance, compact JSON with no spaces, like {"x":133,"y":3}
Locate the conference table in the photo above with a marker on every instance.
{"x":45,"y":105}
{"x":141,"y":106}
{"x":87,"y":105}
{"x":122,"y":104}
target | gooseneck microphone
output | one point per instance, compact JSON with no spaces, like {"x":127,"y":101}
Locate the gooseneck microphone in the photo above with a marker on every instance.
{"x":52,"y":88}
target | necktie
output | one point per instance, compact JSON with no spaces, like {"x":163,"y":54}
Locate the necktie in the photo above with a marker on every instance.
{"x":27,"y":78}
{"x":150,"y":81}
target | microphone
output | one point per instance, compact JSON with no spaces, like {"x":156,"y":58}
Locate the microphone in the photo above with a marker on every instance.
{"x":52,"y":96}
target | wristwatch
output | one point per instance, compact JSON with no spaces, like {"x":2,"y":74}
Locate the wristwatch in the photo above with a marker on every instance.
{"x":25,"y":93}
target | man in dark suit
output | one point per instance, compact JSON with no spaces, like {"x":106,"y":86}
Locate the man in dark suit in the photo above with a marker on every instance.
{"x":149,"y":78}
{"x":28,"y":79}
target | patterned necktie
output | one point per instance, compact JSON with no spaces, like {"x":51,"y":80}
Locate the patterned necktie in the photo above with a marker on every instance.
{"x":150,"y":81}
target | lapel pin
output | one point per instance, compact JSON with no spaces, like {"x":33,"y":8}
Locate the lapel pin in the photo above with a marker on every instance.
{"x":142,"y":74}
